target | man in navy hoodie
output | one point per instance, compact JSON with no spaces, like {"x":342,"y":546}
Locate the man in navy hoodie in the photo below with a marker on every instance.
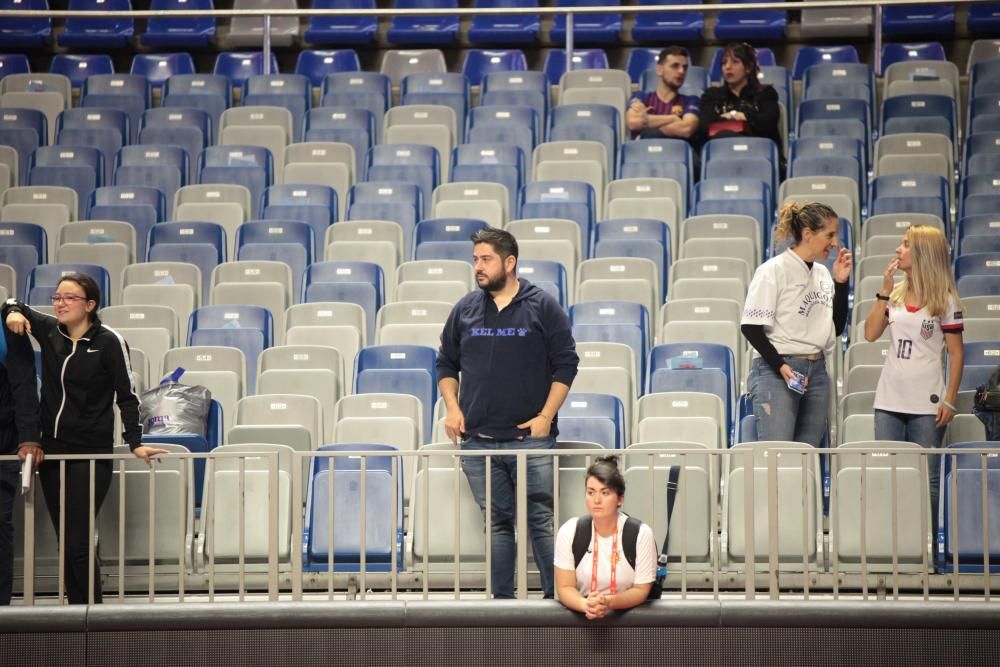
{"x":513,"y":345}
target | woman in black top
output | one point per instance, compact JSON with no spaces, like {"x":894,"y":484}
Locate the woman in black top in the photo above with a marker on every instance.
{"x":742,"y":106}
{"x":85,"y":368}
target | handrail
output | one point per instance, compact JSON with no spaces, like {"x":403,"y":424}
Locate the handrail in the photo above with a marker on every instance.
{"x":470,"y":11}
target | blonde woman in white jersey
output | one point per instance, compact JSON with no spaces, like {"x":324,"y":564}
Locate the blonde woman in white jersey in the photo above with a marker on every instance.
{"x":794,"y":310}
{"x":924,"y":317}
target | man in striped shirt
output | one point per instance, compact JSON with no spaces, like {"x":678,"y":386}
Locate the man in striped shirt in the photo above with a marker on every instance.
{"x":665,"y":112}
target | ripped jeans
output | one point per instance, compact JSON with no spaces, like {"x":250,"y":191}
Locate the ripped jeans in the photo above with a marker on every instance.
{"x":783,"y":414}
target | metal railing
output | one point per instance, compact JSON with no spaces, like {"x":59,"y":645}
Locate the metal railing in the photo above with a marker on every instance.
{"x":252,"y":537}
{"x":268,"y":14}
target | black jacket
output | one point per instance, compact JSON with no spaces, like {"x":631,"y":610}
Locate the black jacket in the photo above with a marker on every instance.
{"x":508,"y":360}
{"x":80,"y":381}
{"x":760,"y":107}
{"x":18,"y":395}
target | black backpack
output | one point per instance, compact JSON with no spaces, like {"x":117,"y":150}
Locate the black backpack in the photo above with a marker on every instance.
{"x":630,"y":537}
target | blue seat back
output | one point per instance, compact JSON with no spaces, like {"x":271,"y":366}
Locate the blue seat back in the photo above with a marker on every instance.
{"x":318,"y":64}
{"x":399,"y":369}
{"x":590,"y":417}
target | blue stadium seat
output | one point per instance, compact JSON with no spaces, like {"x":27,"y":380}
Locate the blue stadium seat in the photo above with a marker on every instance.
{"x":200,"y":243}
{"x":503,"y":29}
{"x":157,"y":68}
{"x":345,"y":125}
{"x":249,"y":166}
{"x":399,"y":369}
{"x":836,"y":118}
{"x":78,"y":167}
{"x":910,"y":193}
{"x":352,"y":282}
{"x":979,"y":242}
{"x":125,"y":92}
{"x":982,"y":353}
{"x":424,"y":30}
{"x":588,"y":417}
{"x":920,"y":113}
{"x":44,"y":278}
{"x":547,"y":274}
{"x":141,"y":207}
{"x":28,"y":33}
{"x":77,"y":68}
{"x":931,"y":20}
{"x":632,"y":237}
{"x":445,"y":238}
{"x":381,"y":536}
{"x":721,"y":152}
{"x":735,"y":195}
{"x":807,"y":56}
{"x":830,"y":156}
{"x":669,"y":370}
{"x":285,"y":241}
{"x":668,"y":27}
{"x":288,"y":91}
{"x":765,"y":58}
{"x":317,"y":65}
{"x":189,"y":32}
{"x":315,"y":205}
{"x":746,"y":429}
{"x":187,"y":129}
{"x":448,"y":89}
{"x":751,"y":25}
{"x":977,"y":264}
{"x":238,"y":67}
{"x":496,"y":163}
{"x":641,"y":60}
{"x":963,"y":476}
{"x":24,"y":130}
{"x":103,"y":129}
{"x":196,"y":444}
{"x":978,"y":286}
{"x":102,"y":33}
{"x":984,"y":18}
{"x":616,"y":322}
{"x":982,"y":153}
{"x":976,"y":225}
{"x":555,"y":62}
{"x":587,"y":28}
{"x":479,"y":62}
{"x":207,"y":92}
{"x":341,"y":30}
{"x":588,"y":122}
{"x":982,"y":187}
{"x":659,"y":158}
{"x":13,"y":63}
{"x":401,"y":203}
{"x":248,"y":328}
{"x":418,"y":164}
{"x":839,"y":81}
{"x":359,"y":90}
{"x":162,"y":167}
{"x":570,"y":200}
{"x":23,"y":246}
{"x":501,"y":118}
{"x":895,"y":53}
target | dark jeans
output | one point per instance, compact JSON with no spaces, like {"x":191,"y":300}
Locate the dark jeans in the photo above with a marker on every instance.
{"x":8,"y":489}
{"x":77,"y":519}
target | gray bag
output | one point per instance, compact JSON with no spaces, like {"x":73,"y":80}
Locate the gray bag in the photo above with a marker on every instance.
{"x":173,"y":408}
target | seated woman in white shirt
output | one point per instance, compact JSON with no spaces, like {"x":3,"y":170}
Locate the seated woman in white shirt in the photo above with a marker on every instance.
{"x":603,"y":578}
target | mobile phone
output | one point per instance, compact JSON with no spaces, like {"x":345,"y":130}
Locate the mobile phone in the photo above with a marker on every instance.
{"x":797,"y":383}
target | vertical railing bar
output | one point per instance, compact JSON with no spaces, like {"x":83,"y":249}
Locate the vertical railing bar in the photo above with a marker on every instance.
{"x":121,"y":529}
{"x":91,"y":520}
{"x":396,"y":502}
{"x":984,"y":499}
{"x":894,"y":524}
{"x":296,"y":547}
{"x":427,"y":527}
{"x":877,"y":28}
{"x":834,"y":523}
{"x":715,"y":463}
{"x":185,"y":484}
{"x":241,"y":463}
{"x":331,"y":467}
{"x":273,"y":501}
{"x":863,"y":505}
{"x":28,"y":592}
{"x":925,"y":502}
{"x":521,"y":529}
{"x":682,"y":482}
{"x":772,"y":524}
{"x":266,"y":47}
{"x":62,"y":531}
{"x":363,"y":521}
{"x":457,"y":527}
{"x":569,"y":43}
{"x":213,"y":491}
{"x":154,"y":464}
{"x":807,"y":510}
{"x":953,"y":512}
{"x":489,"y":525}
{"x":749,"y":528}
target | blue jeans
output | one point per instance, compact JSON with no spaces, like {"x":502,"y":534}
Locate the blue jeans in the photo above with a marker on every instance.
{"x":503,"y":483}
{"x":783,"y":414}
{"x":922,"y":430}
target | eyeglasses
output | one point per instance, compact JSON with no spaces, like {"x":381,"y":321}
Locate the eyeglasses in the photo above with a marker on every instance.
{"x":66,"y":298}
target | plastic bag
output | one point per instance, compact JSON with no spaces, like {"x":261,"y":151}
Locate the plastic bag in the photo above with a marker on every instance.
{"x":173,"y":408}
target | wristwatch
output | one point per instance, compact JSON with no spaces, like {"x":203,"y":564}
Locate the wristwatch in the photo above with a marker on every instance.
{"x":878,"y":295}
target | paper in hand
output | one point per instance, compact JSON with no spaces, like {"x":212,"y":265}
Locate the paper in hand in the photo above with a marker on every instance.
{"x":27,"y":470}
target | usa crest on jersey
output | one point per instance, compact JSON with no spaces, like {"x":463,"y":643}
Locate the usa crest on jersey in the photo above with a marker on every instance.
{"x":927,"y":329}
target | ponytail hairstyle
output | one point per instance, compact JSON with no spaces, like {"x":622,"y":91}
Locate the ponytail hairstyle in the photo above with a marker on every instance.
{"x":605,"y":470}
{"x":930,"y":279}
{"x":796,"y":216}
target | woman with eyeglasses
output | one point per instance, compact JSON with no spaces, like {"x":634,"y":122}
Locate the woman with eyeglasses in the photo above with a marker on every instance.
{"x":85,"y":369}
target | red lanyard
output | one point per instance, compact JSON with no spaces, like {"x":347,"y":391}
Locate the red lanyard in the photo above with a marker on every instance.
{"x":614,"y":564}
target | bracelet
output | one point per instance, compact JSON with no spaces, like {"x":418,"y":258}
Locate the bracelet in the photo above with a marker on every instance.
{"x":878,"y":295}
{"x":949,"y":405}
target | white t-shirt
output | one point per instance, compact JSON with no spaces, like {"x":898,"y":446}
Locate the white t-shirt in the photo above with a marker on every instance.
{"x":913,"y":371}
{"x":625,"y":576}
{"x":794,"y":304}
